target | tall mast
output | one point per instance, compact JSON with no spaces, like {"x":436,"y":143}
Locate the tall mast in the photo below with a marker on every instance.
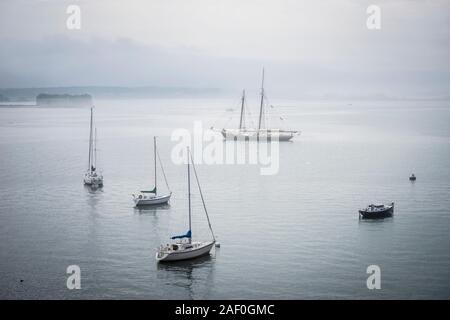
{"x":90,"y":143}
{"x":189,"y":192}
{"x":203,"y":200}
{"x":242,"y":110}
{"x":262,"y":101}
{"x":94,"y":161}
{"x":154,"y":155}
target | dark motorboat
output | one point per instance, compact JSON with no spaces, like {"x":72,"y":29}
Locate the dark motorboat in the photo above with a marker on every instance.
{"x":412,"y":177}
{"x":377,"y":211}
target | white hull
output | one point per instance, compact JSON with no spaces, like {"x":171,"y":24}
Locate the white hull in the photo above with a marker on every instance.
{"x":201,"y":248}
{"x":151,"y":200}
{"x":252,"y":134}
{"x":93,"y":180}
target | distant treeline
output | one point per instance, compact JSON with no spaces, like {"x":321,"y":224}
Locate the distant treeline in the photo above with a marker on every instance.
{"x":30,"y":94}
{"x":63,"y":100}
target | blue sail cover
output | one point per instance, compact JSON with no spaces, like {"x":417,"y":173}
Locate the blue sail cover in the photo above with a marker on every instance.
{"x":187,"y":235}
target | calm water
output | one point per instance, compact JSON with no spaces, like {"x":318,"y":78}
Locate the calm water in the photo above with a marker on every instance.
{"x":291,"y":235}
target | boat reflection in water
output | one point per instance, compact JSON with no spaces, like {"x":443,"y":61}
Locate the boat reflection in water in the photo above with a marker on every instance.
{"x":152,"y":209}
{"x":94,"y":195}
{"x":193,"y":276}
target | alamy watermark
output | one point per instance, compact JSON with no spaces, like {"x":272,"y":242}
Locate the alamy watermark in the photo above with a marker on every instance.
{"x":374,"y":19}
{"x":374,"y":280}
{"x":209,"y":147}
{"x":73,"y":21}
{"x":74,"y":280}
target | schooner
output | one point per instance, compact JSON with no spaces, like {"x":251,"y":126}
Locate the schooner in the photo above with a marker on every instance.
{"x":259,"y":133}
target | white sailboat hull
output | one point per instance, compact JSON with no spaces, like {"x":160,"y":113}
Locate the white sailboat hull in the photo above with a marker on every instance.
{"x":201,"y":249}
{"x":151,"y":200}
{"x":91,"y":180}
{"x":263,"y":134}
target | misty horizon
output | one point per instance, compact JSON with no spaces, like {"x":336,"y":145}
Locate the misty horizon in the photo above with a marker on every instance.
{"x":141,"y":92}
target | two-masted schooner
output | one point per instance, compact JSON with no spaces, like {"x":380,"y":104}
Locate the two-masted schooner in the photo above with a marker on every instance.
{"x":259,"y":133}
{"x":93,"y":177}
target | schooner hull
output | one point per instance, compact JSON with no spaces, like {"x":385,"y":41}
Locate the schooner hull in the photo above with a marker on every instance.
{"x":230,"y":134}
{"x":185,"y":254}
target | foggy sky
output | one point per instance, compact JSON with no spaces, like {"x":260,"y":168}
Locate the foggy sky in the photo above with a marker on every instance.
{"x":308,"y":48}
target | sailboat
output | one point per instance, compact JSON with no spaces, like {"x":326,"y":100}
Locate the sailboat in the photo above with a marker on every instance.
{"x":92,"y":177}
{"x":151,"y":197}
{"x":184,"y":247}
{"x":259,"y":133}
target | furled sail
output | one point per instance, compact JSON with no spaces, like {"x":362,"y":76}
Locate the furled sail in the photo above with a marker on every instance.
{"x":149,"y":191}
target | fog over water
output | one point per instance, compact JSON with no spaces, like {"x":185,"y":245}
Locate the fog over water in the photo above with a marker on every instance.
{"x":373,"y":106}
{"x":295,"y":234}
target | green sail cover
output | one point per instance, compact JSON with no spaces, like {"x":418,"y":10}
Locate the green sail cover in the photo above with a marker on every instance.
{"x":151,"y":191}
